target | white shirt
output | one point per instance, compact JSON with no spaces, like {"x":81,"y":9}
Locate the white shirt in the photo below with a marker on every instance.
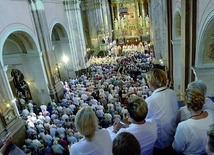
{"x":43,"y":107}
{"x":191,"y":135}
{"x":162,"y":108}
{"x":64,"y":117}
{"x":101,"y":144}
{"x":145,"y":133}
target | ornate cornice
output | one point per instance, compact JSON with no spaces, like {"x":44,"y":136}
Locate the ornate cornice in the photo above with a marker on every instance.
{"x":91,"y":5}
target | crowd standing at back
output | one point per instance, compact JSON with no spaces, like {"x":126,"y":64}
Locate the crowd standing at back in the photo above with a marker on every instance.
{"x":88,"y":119}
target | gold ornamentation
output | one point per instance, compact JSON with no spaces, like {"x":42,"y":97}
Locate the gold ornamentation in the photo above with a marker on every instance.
{"x":211,"y":48}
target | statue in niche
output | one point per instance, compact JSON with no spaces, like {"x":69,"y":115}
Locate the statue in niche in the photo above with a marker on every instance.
{"x":211,"y":49}
{"x":147,"y":21}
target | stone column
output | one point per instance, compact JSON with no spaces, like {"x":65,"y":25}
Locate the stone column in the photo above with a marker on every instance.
{"x":73,"y":32}
{"x":109,"y":21}
{"x":158,"y":11}
{"x":80,"y":42}
{"x":40,"y":21}
{"x":93,"y":12}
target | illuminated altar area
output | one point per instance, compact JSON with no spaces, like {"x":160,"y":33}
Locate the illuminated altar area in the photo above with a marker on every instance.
{"x":131,"y":22}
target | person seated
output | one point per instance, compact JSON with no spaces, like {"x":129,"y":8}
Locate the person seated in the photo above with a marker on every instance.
{"x":190,"y":134}
{"x":126,"y":144}
{"x":144,"y":131}
{"x":210,"y":140}
{"x":94,"y":141}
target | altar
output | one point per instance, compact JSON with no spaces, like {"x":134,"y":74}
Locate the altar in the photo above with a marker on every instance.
{"x":131,"y":21}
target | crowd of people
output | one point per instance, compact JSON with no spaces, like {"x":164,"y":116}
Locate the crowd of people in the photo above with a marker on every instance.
{"x":123,"y":106}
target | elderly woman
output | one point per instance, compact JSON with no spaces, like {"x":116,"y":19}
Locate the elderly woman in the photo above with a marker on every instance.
{"x":144,"y":131}
{"x":190,"y":135}
{"x":162,"y":108}
{"x":183,"y":113}
{"x":94,"y":141}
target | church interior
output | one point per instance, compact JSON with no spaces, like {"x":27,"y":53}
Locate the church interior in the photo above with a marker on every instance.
{"x":46,"y":42}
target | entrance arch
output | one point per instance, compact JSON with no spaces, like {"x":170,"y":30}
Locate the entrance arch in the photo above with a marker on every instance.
{"x":60,"y":44}
{"x":21,"y":53}
{"x":204,"y":61}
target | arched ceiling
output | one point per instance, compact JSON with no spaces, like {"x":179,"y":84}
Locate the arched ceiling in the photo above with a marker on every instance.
{"x":18,"y":42}
{"x":58,"y":32}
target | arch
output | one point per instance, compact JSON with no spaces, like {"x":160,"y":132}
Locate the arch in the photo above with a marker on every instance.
{"x":204,"y":46}
{"x":21,"y":50}
{"x":21,"y":35}
{"x":58,"y":30}
{"x":20,"y":40}
{"x":60,"y":45}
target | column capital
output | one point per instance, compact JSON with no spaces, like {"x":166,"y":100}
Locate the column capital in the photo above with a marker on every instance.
{"x":37,"y":5}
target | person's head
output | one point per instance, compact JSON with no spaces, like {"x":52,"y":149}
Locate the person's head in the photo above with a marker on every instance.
{"x":156,"y":78}
{"x":125,"y":144}
{"x":194,"y":99}
{"x":210,"y":140}
{"x":137,"y":108}
{"x":86,"y":122}
{"x":198,"y":84}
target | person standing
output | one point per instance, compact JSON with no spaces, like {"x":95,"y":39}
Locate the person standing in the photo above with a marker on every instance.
{"x":190,"y":135}
{"x":94,"y":141}
{"x":162,"y":108}
{"x":144,"y":131}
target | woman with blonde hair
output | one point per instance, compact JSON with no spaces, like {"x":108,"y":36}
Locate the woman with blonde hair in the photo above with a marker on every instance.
{"x":190,"y":135}
{"x":94,"y":141}
{"x":162,"y":108}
